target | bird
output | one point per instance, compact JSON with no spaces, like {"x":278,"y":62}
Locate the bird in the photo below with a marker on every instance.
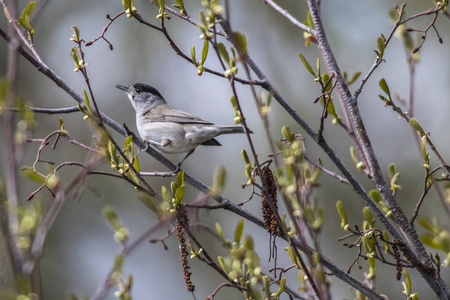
{"x":170,"y":130}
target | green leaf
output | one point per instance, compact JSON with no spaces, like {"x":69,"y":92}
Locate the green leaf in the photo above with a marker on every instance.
{"x":241,"y":40}
{"x":180,"y":5}
{"x":118,"y":262}
{"x":426,"y":223}
{"x":368,"y":215}
{"x":179,"y":195}
{"x":341,"y":212}
{"x":223,"y":264}
{"x":385,"y":87}
{"x":111,"y":216}
{"x":381,"y":46}
{"x":266,"y":285}
{"x":223,"y":52}
{"x":424,"y":150}
{"x":149,"y":201}
{"x":307,"y":65}
{"x":331,"y":110}
{"x":239,"y":230}
{"x":28,"y":9}
{"x":33,"y":175}
{"x":205,"y":51}
{"x":180,"y":179}
{"x":407,"y":282}
{"x":325,"y":79}
{"x":219,"y":179}
{"x":76,"y":34}
{"x":376,"y":196}
{"x":286,"y":131}
{"x":353,"y":155}
{"x":194,"y":59}
{"x":318,"y":67}
{"x":415,"y":125}
{"x":392,"y":170}
{"x":282,"y":286}
{"x":245,"y":156}
{"x":126,"y":4}
{"x":165,"y":194}
{"x":220,"y":233}
{"x":354,"y":78}
{"x":203,"y":19}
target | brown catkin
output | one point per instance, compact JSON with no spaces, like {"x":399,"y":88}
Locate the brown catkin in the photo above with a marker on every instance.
{"x":270,"y":220}
{"x":183,"y":220}
{"x":398,"y":264}
{"x":416,"y":263}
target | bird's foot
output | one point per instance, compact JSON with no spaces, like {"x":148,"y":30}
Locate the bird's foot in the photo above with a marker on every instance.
{"x":176,"y":170}
{"x":146,"y":146}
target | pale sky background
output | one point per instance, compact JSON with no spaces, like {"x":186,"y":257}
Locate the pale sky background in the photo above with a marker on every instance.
{"x":80,"y":247}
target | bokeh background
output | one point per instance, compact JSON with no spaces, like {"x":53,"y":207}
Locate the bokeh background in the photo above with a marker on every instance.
{"x":80,"y":247}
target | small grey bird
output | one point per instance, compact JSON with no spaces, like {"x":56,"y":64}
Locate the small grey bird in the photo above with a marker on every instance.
{"x":170,"y":130}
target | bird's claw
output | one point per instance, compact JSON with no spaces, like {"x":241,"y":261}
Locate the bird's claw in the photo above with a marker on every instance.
{"x":146,"y":146}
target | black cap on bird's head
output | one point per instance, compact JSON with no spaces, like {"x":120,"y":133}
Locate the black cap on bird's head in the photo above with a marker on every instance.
{"x":143,"y":96}
{"x":139,"y":88}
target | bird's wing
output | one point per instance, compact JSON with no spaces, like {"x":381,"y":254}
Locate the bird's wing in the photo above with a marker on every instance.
{"x":166,"y":113}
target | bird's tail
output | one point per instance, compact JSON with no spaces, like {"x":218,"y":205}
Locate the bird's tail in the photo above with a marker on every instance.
{"x":232,"y":129}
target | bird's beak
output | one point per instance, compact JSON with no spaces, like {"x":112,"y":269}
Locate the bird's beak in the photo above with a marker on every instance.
{"x":121,"y":87}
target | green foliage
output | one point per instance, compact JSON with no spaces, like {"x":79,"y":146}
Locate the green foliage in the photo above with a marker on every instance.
{"x":394,"y":175}
{"x":24,"y":19}
{"x":351,"y":80}
{"x":121,"y":233}
{"x":416,"y":126}
{"x":242,"y":262}
{"x":128,"y":5}
{"x":368,"y":215}
{"x":199,"y":64}
{"x":359,"y":164}
{"x":219,"y":179}
{"x":307,"y":65}
{"x":237,"y":112}
{"x":380,"y":47}
{"x":76,"y":34}
{"x":241,"y":41}
{"x":161,"y":6}
{"x":407,"y":286}
{"x":288,"y":134}
{"x":180,"y":6}
{"x":437,"y":236}
{"x":341,"y":212}
{"x":376,"y":196}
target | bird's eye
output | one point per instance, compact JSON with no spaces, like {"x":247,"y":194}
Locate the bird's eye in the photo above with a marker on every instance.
{"x":138,"y":90}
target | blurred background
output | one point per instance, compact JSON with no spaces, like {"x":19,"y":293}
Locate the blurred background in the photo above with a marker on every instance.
{"x":80,"y":247}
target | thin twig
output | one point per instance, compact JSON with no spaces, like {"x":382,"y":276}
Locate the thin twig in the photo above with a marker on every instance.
{"x":288,"y":16}
{"x":106,"y":284}
{"x":50,"y":111}
{"x":13,"y":22}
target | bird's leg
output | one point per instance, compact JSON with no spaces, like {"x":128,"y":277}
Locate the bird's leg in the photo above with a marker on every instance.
{"x":179,"y":164}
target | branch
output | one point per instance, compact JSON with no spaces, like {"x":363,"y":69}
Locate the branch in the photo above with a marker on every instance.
{"x":104,"y":286}
{"x":355,"y":184}
{"x":50,"y":111}
{"x":9,"y":210}
{"x":288,"y":16}
{"x":438,"y":286}
{"x":11,"y":17}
